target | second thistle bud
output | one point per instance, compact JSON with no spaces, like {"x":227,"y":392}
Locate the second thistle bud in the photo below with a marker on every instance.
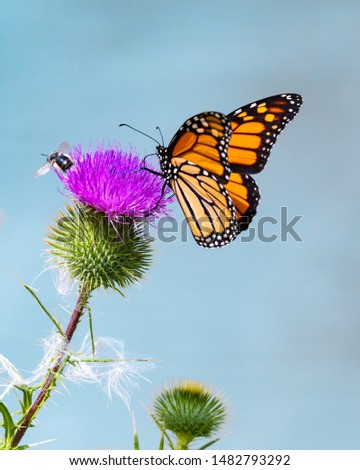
{"x":190,"y":410}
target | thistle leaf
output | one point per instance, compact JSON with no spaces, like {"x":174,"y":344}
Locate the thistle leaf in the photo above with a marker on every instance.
{"x":56,"y":323}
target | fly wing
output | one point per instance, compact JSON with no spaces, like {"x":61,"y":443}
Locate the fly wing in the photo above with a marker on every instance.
{"x":63,"y":147}
{"x":43,"y":170}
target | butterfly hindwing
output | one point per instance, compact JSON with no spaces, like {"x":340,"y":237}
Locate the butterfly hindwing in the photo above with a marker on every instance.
{"x":245,"y":196}
{"x":255,"y":128}
{"x":206,"y":204}
{"x":203,"y":139}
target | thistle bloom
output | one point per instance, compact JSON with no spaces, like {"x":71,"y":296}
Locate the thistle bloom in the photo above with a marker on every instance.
{"x":108,"y":185}
{"x":114,"y":182}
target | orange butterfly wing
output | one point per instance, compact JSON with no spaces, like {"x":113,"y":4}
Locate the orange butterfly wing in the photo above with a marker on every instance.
{"x":203,"y":140}
{"x":207,"y":206}
{"x":245,"y":196}
{"x":216,"y":213}
{"x":255,"y":128}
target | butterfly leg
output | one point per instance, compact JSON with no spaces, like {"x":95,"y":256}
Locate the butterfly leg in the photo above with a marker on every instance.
{"x":157,"y":173}
{"x":154,"y":172}
{"x":161,"y":197}
{"x":153,"y":209}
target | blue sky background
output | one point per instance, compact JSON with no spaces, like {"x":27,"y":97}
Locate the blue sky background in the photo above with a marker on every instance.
{"x":275,"y":326}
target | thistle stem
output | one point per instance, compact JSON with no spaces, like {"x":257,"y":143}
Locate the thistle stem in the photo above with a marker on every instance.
{"x":182,"y":442}
{"x":55,"y":370}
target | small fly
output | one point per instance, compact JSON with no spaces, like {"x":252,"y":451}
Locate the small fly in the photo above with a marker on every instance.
{"x":59,"y":159}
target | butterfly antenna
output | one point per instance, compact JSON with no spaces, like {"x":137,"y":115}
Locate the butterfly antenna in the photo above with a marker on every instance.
{"x":162,"y":138}
{"x":140,"y":132}
{"x":44,"y":155}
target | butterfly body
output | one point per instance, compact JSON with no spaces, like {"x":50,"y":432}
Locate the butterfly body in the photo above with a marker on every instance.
{"x":209,"y":161}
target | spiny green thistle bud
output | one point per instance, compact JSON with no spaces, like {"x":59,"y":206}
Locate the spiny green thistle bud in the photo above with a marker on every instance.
{"x":190,"y":411}
{"x":97,"y":251}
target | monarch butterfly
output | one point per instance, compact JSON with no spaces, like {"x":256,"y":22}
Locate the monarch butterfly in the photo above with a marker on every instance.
{"x":209,"y":159}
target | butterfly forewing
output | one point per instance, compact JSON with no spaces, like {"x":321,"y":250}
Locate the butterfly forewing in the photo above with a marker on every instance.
{"x":203,"y":140}
{"x":255,"y":128}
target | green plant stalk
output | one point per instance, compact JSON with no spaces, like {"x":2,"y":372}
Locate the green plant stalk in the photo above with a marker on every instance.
{"x":55,"y":371}
{"x":183,"y":442}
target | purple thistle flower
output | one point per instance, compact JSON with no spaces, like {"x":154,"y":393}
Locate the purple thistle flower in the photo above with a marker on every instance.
{"x":108,"y":179}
